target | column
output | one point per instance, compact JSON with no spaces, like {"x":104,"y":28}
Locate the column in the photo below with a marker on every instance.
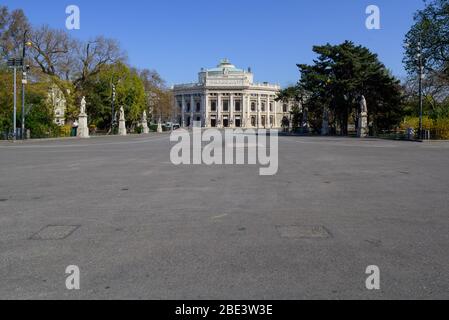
{"x":192,"y":109}
{"x":243,"y":110}
{"x":231,"y":99}
{"x":183,"y":111}
{"x":268,"y":122}
{"x":275,"y":109}
{"x":206,"y":110}
{"x":248,"y":111}
{"x":219,"y":110}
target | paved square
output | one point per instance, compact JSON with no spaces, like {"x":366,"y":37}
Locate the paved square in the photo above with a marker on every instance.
{"x":303,"y":232}
{"x":151,"y":230}
{"x":54,"y":233}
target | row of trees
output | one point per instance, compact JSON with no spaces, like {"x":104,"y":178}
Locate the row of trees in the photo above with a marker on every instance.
{"x":335,"y":82}
{"x":342,"y":73}
{"x":77,"y":68}
{"x":429,"y":36}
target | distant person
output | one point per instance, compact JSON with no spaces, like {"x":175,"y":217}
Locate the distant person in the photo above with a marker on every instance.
{"x":75,"y":129}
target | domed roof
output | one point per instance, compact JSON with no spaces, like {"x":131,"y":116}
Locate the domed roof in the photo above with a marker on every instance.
{"x":225,"y":64}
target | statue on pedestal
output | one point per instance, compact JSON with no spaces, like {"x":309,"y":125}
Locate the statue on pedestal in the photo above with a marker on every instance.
{"x":145,"y":129}
{"x":122,"y":123}
{"x":363,"y":130}
{"x":159,"y":126}
{"x":83,"y":128}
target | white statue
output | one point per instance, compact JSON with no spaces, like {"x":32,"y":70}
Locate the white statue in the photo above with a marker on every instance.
{"x":363,"y":130}
{"x":122,"y":123}
{"x":83,"y":106}
{"x":145,"y":129}
{"x":363,"y":105}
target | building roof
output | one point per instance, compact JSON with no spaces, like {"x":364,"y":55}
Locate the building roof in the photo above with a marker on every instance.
{"x":225,"y":65}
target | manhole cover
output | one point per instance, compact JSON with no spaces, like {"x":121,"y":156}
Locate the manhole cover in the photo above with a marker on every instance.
{"x":54,"y":233}
{"x":303,"y":232}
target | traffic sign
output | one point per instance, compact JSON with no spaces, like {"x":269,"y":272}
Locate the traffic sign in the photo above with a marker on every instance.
{"x":15,"y":62}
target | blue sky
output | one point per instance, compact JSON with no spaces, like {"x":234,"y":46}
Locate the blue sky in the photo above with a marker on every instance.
{"x":178,"y":37}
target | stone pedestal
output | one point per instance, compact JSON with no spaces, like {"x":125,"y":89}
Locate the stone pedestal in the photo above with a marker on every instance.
{"x":145,"y":129}
{"x":122,"y":128}
{"x":83,"y":129}
{"x":363,"y":130}
{"x":159,"y":127}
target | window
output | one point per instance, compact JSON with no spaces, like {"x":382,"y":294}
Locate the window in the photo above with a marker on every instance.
{"x":284,"y":108}
{"x":253,"y":106}
{"x":253,"y":121}
{"x":213,"y":106}
{"x":237,"y":106}
{"x":198,"y":107}
{"x":225,"y":106}
{"x":271,"y":106}
{"x":263,"y":106}
{"x":188,"y":107}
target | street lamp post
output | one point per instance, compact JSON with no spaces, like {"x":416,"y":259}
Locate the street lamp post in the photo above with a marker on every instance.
{"x":14,"y":117}
{"x":24,"y":82}
{"x":420,"y":74}
{"x":15,"y":63}
{"x":114,"y":84}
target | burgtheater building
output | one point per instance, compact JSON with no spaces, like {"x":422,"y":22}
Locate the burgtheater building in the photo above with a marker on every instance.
{"x":227,"y":97}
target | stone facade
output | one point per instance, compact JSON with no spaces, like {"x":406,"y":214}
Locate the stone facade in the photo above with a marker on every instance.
{"x":228,"y":97}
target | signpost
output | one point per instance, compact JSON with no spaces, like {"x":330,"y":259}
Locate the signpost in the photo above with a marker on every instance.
{"x":15,"y":63}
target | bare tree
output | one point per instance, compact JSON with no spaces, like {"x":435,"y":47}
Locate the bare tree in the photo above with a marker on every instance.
{"x":159,"y":97}
{"x":435,"y":88}
{"x":12,"y":28}
{"x":51,"y":50}
{"x":92,"y":56}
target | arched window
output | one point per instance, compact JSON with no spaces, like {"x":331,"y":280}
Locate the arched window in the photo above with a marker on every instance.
{"x":188,"y":107}
{"x":253,"y":106}
{"x":198,"y":107}
{"x":263,"y":106}
{"x":253,"y":121}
